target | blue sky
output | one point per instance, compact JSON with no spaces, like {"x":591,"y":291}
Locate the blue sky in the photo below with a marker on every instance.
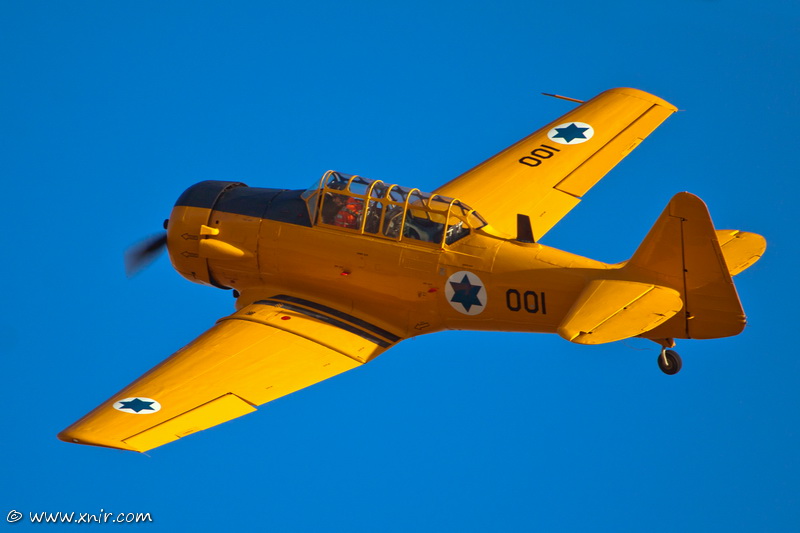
{"x":111,"y":109}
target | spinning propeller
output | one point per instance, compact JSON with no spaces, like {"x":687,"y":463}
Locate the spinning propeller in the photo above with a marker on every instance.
{"x":141,"y":254}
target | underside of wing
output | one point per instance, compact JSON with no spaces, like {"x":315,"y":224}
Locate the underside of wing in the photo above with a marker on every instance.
{"x":545,"y":174}
{"x":611,"y":310}
{"x":264,"y":351}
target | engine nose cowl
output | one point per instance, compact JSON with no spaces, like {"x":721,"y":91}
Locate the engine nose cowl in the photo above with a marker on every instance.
{"x":206,"y":194}
{"x":185,"y":230}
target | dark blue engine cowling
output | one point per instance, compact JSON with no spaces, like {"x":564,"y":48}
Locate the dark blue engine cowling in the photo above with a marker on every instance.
{"x":281,"y":205}
{"x":211,"y":204}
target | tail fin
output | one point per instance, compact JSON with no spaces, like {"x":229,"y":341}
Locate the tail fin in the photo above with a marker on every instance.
{"x":682,"y":251}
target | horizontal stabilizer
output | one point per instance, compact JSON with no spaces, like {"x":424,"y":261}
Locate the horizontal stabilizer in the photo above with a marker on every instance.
{"x":611,"y":310}
{"x":740,"y":248}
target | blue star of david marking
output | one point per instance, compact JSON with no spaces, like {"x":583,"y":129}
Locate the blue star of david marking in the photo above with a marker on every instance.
{"x":570,"y":133}
{"x":465,"y":293}
{"x":136,"y":405}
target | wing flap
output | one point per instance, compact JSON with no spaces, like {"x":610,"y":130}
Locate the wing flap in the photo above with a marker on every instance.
{"x":611,"y":310}
{"x":260,"y":353}
{"x":569,"y":155}
{"x":549,"y":209}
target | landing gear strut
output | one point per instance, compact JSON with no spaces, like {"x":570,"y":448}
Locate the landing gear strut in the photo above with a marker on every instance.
{"x":669,"y":361}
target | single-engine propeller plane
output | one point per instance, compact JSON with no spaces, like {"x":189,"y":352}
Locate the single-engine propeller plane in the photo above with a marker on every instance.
{"x":328,"y":278}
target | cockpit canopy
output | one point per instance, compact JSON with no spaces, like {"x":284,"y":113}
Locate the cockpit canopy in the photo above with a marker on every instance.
{"x":392,"y":212}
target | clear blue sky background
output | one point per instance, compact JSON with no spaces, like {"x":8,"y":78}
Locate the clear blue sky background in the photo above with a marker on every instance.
{"x":111,"y":109}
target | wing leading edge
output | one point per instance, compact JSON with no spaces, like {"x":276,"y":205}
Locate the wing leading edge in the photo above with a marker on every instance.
{"x":545,"y":174}
{"x":264,"y":351}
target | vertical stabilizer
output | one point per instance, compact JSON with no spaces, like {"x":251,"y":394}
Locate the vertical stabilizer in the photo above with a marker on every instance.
{"x":682,"y":251}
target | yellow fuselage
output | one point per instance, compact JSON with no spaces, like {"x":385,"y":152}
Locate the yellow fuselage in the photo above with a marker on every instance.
{"x":400,"y":285}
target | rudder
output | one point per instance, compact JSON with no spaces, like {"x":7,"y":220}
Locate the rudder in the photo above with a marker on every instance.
{"x":682,"y":251}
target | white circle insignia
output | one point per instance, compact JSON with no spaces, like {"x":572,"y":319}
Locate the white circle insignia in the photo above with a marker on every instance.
{"x":466,"y":293}
{"x":571,"y":133}
{"x":137,"y":405}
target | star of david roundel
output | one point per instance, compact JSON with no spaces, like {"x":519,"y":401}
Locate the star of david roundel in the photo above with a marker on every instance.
{"x":466,"y":293}
{"x":137,"y":406}
{"x":571,"y":133}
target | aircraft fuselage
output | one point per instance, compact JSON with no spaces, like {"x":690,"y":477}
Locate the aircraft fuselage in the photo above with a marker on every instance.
{"x":483,"y":281}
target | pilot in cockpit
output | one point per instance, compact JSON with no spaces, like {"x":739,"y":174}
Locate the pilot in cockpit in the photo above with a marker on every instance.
{"x":342,"y":210}
{"x":349,"y":215}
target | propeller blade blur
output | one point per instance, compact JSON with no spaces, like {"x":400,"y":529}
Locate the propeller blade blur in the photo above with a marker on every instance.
{"x":138,"y":256}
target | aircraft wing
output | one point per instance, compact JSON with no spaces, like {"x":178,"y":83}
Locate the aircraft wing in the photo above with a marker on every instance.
{"x":266,"y":350}
{"x":545,"y":174}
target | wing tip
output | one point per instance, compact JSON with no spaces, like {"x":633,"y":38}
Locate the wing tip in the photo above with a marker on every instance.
{"x":75,"y":436}
{"x":642,"y":95}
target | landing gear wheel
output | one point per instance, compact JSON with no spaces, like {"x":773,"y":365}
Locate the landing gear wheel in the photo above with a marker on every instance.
{"x":669,"y":362}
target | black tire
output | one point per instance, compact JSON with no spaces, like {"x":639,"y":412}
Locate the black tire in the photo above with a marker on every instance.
{"x":673,"y":364}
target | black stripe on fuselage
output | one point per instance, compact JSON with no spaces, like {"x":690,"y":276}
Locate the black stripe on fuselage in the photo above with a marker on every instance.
{"x":328,"y":320}
{"x":339,"y":314}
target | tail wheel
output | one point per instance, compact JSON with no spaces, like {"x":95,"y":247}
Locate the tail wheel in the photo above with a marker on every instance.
{"x":669,"y":362}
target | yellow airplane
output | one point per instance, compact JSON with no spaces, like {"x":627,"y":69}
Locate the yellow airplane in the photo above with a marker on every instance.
{"x":330,"y":277}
